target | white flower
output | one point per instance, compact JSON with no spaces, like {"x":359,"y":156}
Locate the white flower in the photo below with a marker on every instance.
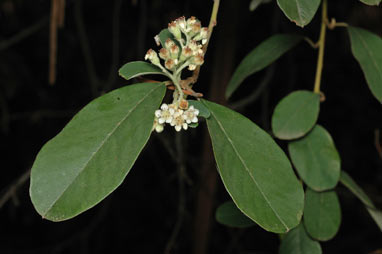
{"x":178,"y":121}
{"x":191,"y":67}
{"x":165,"y":114}
{"x":157,"y":126}
{"x":191,"y":115}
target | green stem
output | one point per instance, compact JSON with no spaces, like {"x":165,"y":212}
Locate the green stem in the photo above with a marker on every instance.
{"x":321,"y":47}
{"x":177,"y":85}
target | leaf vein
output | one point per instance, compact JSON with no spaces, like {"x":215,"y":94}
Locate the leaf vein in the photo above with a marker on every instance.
{"x":247,"y":169}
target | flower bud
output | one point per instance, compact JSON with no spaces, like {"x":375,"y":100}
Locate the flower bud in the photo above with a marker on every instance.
{"x":183,"y":104}
{"x":174,"y":52}
{"x":186,"y":53}
{"x":191,"y":67}
{"x":195,"y":47}
{"x":195,"y":28}
{"x":169,"y":64}
{"x":174,"y":29}
{"x":164,"y":54}
{"x":191,"y":20}
{"x":198,"y":60}
{"x":169,"y":43}
{"x":152,"y":56}
{"x":181,"y":22}
{"x":202,"y":36}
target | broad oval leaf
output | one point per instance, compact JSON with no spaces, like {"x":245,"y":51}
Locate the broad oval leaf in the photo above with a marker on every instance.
{"x":260,"y":57}
{"x":355,"y":189}
{"x":371,"y":2}
{"x":367,"y":49}
{"x":228,"y":214}
{"x":138,"y":68}
{"x":295,"y":115}
{"x":297,"y":241}
{"x":92,"y":155}
{"x":300,"y":12}
{"x":203,"y":111}
{"x":316,"y":159}
{"x":255,"y":171}
{"x":322,"y":214}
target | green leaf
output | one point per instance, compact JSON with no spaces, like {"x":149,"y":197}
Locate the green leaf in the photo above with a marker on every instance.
{"x":138,"y":68}
{"x":164,"y":35}
{"x":361,"y":195}
{"x":193,"y":125}
{"x":297,"y":241}
{"x":322,"y":214}
{"x":203,"y":111}
{"x":316,"y":159}
{"x":255,"y":171}
{"x":376,"y":215}
{"x":256,"y":3}
{"x":228,"y":214}
{"x":260,"y":57}
{"x":300,"y":12}
{"x":295,"y":115}
{"x":355,"y":189}
{"x":367,"y":49}
{"x":92,"y":155}
{"x":371,"y":2}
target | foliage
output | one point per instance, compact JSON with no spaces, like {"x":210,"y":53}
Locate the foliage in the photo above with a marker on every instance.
{"x":99,"y":146}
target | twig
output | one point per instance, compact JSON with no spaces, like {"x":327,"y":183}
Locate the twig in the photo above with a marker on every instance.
{"x":24,"y":34}
{"x":213,"y":21}
{"x":321,"y":45}
{"x":12,"y":189}
{"x":311,"y":43}
{"x":61,"y":14}
{"x":54,"y":14}
{"x":255,"y":95}
{"x":333,"y":24}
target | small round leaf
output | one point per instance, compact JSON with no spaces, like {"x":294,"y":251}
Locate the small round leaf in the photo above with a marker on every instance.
{"x":295,"y":115}
{"x":297,"y":241}
{"x":316,"y":159}
{"x":322,"y":214}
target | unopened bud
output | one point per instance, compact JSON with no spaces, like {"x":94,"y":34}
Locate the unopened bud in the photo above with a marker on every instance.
{"x":174,"y":29}
{"x":169,"y":43}
{"x":195,"y":29}
{"x":192,"y":20}
{"x":198,"y":60}
{"x":174,"y":52}
{"x":202,"y":36}
{"x":152,"y":56}
{"x":186,"y":53}
{"x":164,"y":54}
{"x":169,"y":64}
{"x":181,"y":22}
{"x":183,"y":104}
{"x":191,"y":67}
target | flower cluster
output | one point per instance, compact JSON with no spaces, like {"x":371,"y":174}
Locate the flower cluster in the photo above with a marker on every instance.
{"x":175,"y":116}
{"x":186,"y":50}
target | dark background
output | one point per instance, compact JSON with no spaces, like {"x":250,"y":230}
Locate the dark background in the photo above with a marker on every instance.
{"x":158,"y":201}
